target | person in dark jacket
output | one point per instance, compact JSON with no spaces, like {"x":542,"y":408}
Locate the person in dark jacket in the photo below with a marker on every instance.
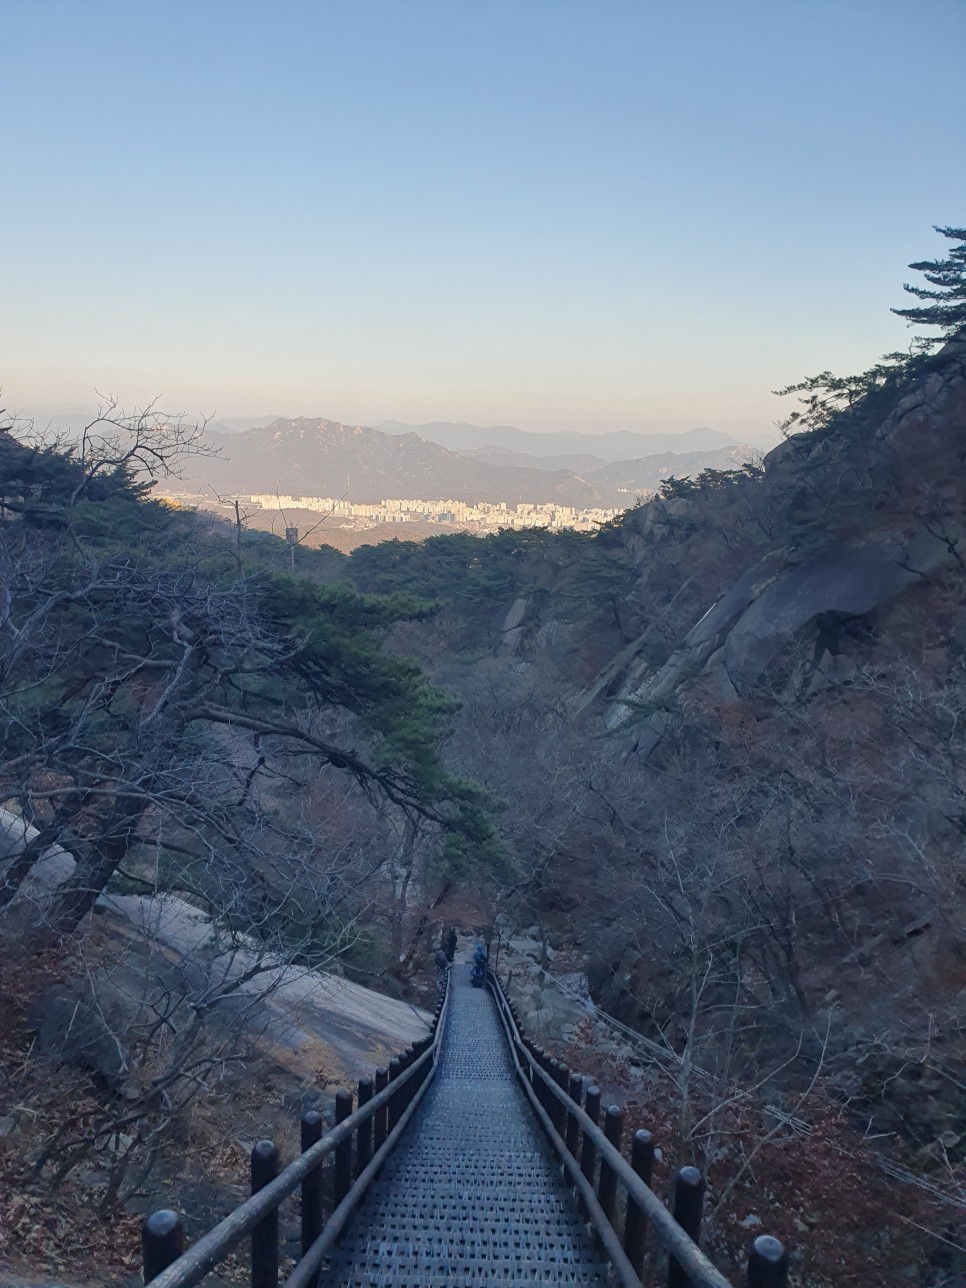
{"x":478,"y":969}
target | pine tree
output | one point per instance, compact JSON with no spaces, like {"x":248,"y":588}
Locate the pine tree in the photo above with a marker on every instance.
{"x":827,"y":397}
{"x":948,"y":277}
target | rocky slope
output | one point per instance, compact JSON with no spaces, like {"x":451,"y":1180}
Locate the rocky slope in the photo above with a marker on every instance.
{"x":79,"y":1025}
{"x":862,"y":519}
{"x":299,"y":1021}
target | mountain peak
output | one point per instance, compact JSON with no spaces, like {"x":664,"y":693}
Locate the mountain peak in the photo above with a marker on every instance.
{"x":313,"y":456}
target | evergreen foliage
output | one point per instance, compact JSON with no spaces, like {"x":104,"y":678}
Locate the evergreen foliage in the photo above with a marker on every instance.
{"x":476,"y":578}
{"x":826,"y":397}
{"x":708,"y":481}
{"x":947,"y":278}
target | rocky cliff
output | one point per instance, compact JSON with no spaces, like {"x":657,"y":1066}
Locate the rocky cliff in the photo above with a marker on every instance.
{"x":862,"y":515}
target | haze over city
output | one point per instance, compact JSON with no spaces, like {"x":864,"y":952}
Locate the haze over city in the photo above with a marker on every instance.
{"x":552,"y":215}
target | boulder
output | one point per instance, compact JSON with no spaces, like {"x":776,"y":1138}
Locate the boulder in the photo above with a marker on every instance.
{"x":738,"y":636}
{"x":46,"y":872}
{"x":72,"y":1031}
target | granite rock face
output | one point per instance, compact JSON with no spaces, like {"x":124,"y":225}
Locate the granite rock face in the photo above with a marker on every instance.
{"x":849,"y":581}
{"x":148,"y":947}
{"x":838,"y":571}
{"x":700,"y":644}
{"x":513,"y":623}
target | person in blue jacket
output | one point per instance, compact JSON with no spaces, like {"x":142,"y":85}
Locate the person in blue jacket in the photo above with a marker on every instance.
{"x":478,"y":968}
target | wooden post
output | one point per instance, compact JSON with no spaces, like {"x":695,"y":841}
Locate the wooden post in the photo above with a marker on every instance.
{"x":405,"y":1060}
{"x":588,"y":1154}
{"x":264,"y":1168}
{"x":575,"y":1090}
{"x":313,"y":1125}
{"x":563,"y":1082}
{"x":379,"y":1118}
{"x":607,"y":1185}
{"x":162,"y":1242}
{"x":549,"y":1068}
{"x":768,"y":1263}
{"x":342,"y":1176}
{"x":396,"y":1067}
{"x":539,"y":1055}
{"x":635,"y":1228}
{"x":561,"y":1076}
{"x":550,"y":1100}
{"x":364,"y":1134}
{"x":688,"y":1204}
{"x":412,"y":1086}
{"x":528,"y":1067}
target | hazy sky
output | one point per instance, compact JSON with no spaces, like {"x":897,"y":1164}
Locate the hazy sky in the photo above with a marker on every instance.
{"x":541,"y":212}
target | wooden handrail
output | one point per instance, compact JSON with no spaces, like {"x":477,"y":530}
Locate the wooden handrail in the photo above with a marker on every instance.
{"x":685,"y":1251}
{"x":202,"y":1257}
{"x":303,"y":1274}
{"x":608,"y":1235}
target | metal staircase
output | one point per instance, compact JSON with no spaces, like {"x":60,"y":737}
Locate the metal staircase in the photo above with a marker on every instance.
{"x":471,"y":1195}
{"x":446,"y":1173}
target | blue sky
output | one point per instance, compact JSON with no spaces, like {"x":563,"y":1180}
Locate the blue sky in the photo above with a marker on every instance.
{"x":553,"y":214}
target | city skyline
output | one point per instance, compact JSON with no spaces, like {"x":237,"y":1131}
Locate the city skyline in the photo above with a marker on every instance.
{"x":450,"y":514}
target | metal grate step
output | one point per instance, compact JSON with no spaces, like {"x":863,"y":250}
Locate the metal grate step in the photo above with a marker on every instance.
{"x":471,"y":1195}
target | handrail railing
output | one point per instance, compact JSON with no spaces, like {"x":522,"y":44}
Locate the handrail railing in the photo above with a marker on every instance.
{"x":555,"y":1094}
{"x":376,"y":1124}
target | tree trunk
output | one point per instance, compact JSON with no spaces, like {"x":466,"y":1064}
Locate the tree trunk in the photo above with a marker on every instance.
{"x":18,"y":868}
{"x":77,"y":896}
{"x":34,"y":847}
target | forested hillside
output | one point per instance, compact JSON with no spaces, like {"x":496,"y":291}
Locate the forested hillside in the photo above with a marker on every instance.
{"x":731,"y":741}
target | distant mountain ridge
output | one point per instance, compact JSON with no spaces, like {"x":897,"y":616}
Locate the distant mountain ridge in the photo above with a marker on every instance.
{"x":647,"y":473}
{"x":641,"y":474}
{"x":615,"y":445}
{"x":319,"y":457}
{"x":313,"y":456}
{"x":240,"y":423}
{"x":582,"y":463}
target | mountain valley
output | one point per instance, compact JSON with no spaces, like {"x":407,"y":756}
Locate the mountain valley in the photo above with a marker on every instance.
{"x":707,"y":755}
